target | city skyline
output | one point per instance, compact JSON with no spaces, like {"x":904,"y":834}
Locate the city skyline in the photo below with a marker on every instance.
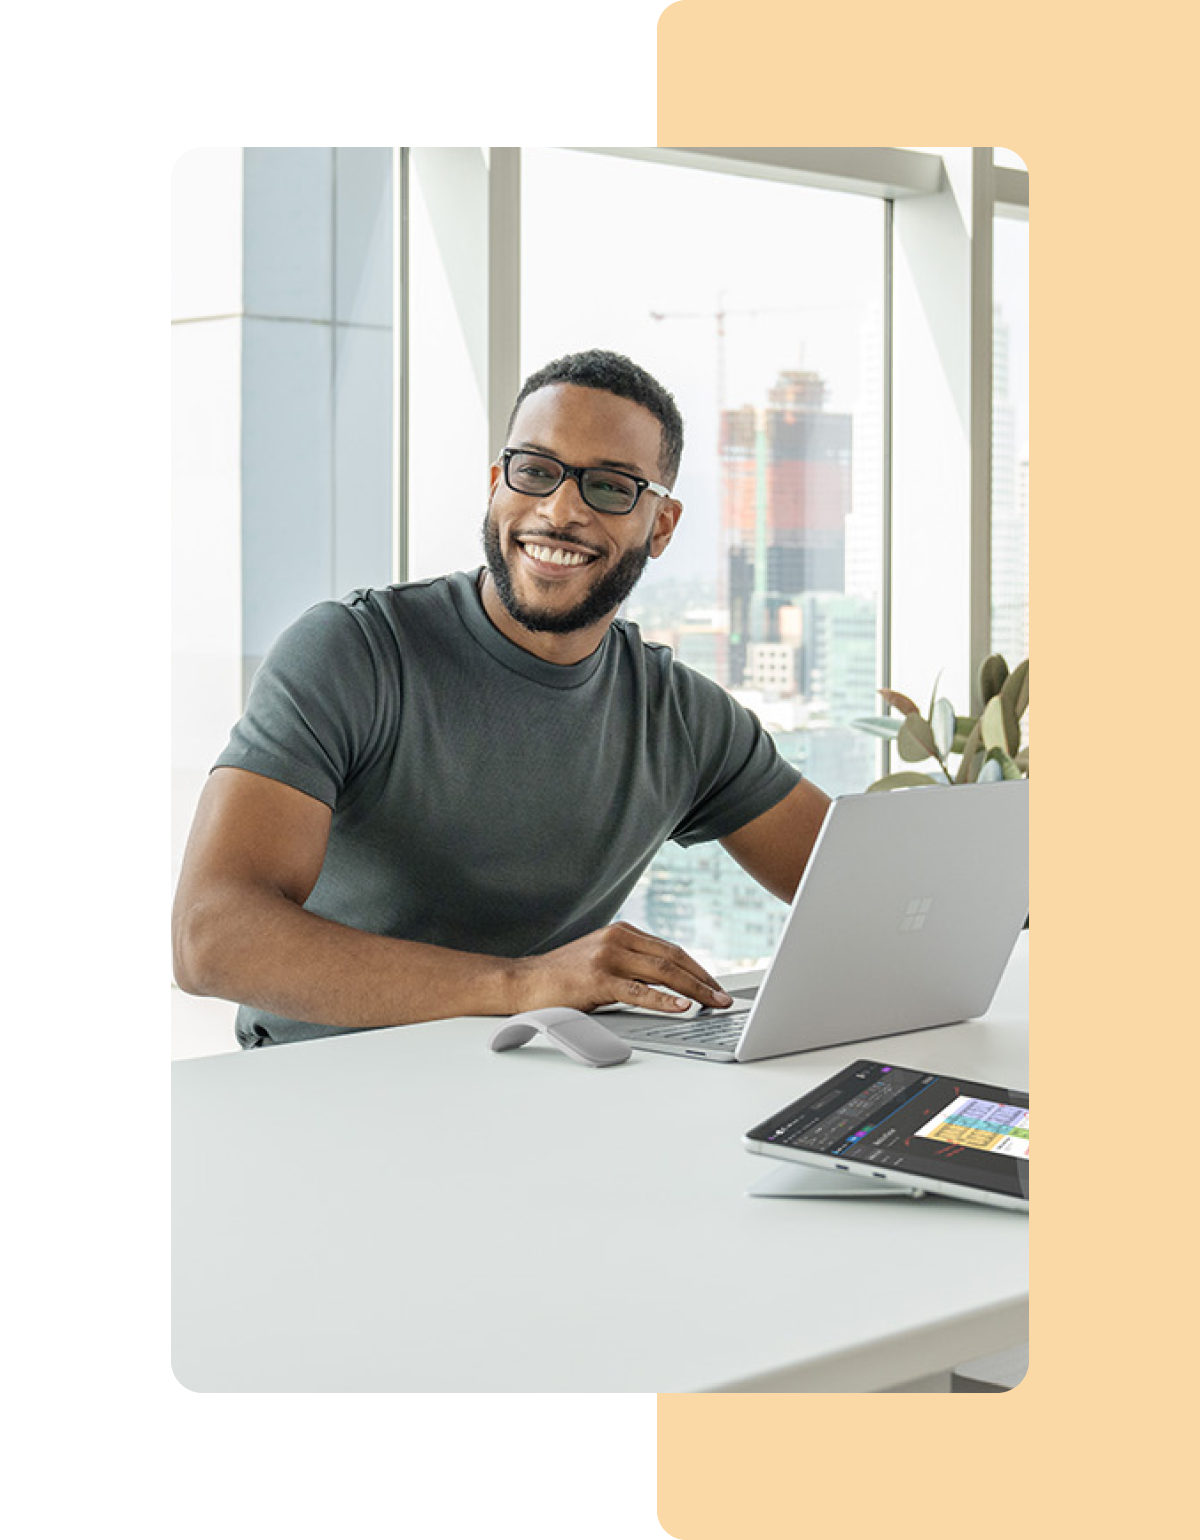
{"x":787,"y":621}
{"x":789,"y":283}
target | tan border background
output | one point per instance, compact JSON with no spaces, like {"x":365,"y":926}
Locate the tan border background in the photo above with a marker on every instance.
{"x":1096,"y":102}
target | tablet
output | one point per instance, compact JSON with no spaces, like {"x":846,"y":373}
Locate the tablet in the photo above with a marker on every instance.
{"x":926,"y":1132}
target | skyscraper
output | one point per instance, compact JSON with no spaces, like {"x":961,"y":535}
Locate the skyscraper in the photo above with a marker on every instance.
{"x":785,"y":497}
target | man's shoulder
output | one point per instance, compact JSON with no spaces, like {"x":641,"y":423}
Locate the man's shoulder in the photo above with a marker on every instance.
{"x":374,"y":623}
{"x":416,"y":607}
{"x":672,"y":680}
{"x":397,"y":598}
{"x":660,"y":658}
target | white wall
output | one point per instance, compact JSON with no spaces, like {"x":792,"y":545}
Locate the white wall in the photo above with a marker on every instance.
{"x":144,"y":234}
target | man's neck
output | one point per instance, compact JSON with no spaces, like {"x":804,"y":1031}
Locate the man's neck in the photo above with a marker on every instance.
{"x":562,"y":647}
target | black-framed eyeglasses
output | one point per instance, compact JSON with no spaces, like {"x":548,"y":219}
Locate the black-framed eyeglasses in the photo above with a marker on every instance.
{"x":537,"y":475}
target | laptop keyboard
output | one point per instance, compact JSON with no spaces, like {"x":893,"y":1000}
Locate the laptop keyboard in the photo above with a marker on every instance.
{"x":704,"y":1032}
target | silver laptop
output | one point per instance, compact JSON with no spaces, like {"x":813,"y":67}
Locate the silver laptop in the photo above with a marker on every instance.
{"x":905,"y":917}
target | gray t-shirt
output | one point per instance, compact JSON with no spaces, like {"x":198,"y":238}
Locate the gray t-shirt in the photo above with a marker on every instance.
{"x":484,"y":799}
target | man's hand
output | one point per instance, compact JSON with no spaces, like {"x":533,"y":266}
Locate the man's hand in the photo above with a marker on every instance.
{"x":241,"y":933}
{"x":619,"y":965}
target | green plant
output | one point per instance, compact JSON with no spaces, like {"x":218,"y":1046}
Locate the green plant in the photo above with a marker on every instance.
{"x":989,"y":745}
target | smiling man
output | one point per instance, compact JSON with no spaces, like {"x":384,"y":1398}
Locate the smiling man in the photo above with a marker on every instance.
{"x":548,"y":571}
{"x":441,"y":793}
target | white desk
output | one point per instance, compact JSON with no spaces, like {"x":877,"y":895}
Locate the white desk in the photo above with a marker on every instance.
{"x":403,"y":1210}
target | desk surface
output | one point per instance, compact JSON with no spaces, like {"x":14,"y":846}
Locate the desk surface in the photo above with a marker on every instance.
{"x":402,"y":1210}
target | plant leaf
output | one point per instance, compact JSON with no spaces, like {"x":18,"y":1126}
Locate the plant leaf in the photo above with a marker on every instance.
{"x":902,"y":703}
{"x":993,"y":671}
{"x":933,"y":693}
{"x":942,"y":723}
{"x":962,"y":731}
{"x":990,"y":771}
{"x":902,"y":778}
{"x":1009,"y":769}
{"x":1021,"y":761}
{"x":1012,"y":728}
{"x":1001,"y":730}
{"x":969,"y":751}
{"x":880,"y":727}
{"x":991,"y":724}
{"x":915,"y":738}
{"x":1016,"y":689}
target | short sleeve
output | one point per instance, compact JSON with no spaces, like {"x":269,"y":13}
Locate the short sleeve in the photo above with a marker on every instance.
{"x":312,"y":714}
{"x":740,"y":773}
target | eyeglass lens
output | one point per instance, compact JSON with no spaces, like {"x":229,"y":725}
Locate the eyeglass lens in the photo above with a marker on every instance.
{"x":606,"y":491}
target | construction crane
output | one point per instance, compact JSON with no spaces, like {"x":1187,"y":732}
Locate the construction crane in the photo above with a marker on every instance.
{"x":720,"y":315}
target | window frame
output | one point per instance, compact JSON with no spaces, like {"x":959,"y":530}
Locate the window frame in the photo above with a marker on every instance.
{"x":983,"y":192}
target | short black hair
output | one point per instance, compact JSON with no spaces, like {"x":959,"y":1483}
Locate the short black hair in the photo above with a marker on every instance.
{"x":598,"y":369}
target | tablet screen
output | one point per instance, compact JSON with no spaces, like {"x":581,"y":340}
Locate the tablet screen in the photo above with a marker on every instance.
{"x":908,"y":1120}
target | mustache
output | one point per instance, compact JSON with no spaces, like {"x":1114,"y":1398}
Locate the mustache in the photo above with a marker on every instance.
{"x":552,"y":537}
{"x":607,"y":593}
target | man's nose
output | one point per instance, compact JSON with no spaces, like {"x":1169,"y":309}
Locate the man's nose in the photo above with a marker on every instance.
{"x":565,"y":505}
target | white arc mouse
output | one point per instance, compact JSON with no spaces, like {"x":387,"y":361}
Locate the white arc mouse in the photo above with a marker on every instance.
{"x":574,"y":1033}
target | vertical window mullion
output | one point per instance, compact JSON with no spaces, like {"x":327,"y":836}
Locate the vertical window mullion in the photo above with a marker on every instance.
{"x":504,"y":290}
{"x":400,"y":425}
{"x":983,"y":212}
{"x":884,"y":666}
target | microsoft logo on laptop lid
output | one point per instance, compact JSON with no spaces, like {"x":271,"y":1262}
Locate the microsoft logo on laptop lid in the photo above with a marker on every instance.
{"x":916,"y":913}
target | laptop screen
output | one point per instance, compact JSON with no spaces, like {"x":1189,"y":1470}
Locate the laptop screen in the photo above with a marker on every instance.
{"x":912,"y":1121}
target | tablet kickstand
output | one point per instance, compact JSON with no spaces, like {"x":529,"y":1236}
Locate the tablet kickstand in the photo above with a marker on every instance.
{"x":788,"y":1181}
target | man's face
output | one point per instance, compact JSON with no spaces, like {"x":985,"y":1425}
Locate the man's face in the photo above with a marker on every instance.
{"x":557,"y":564}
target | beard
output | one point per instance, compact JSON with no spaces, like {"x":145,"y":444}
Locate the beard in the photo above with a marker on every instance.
{"x":607,"y":594}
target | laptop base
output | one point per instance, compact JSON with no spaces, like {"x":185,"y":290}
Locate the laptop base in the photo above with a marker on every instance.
{"x":788,"y":1181}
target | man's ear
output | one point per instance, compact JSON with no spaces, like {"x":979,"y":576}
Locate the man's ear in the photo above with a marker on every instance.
{"x":670,"y":511}
{"x":493,"y":477}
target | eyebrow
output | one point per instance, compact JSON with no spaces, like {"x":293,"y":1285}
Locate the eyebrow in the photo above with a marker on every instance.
{"x":611,"y":465}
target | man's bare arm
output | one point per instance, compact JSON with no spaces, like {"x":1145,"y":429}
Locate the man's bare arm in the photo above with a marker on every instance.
{"x":240,"y":932}
{"x":774,"y":848}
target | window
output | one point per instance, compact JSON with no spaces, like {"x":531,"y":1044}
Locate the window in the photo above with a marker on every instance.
{"x":816,"y":314}
{"x":1010,"y":440}
{"x":283,"y":378}
{"x":759,"y":304}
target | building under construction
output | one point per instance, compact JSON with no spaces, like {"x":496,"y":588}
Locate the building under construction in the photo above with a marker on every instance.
{"x":785,"y":495}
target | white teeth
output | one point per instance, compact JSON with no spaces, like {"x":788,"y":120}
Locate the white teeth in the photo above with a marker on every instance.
{"x":558,"y":557}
